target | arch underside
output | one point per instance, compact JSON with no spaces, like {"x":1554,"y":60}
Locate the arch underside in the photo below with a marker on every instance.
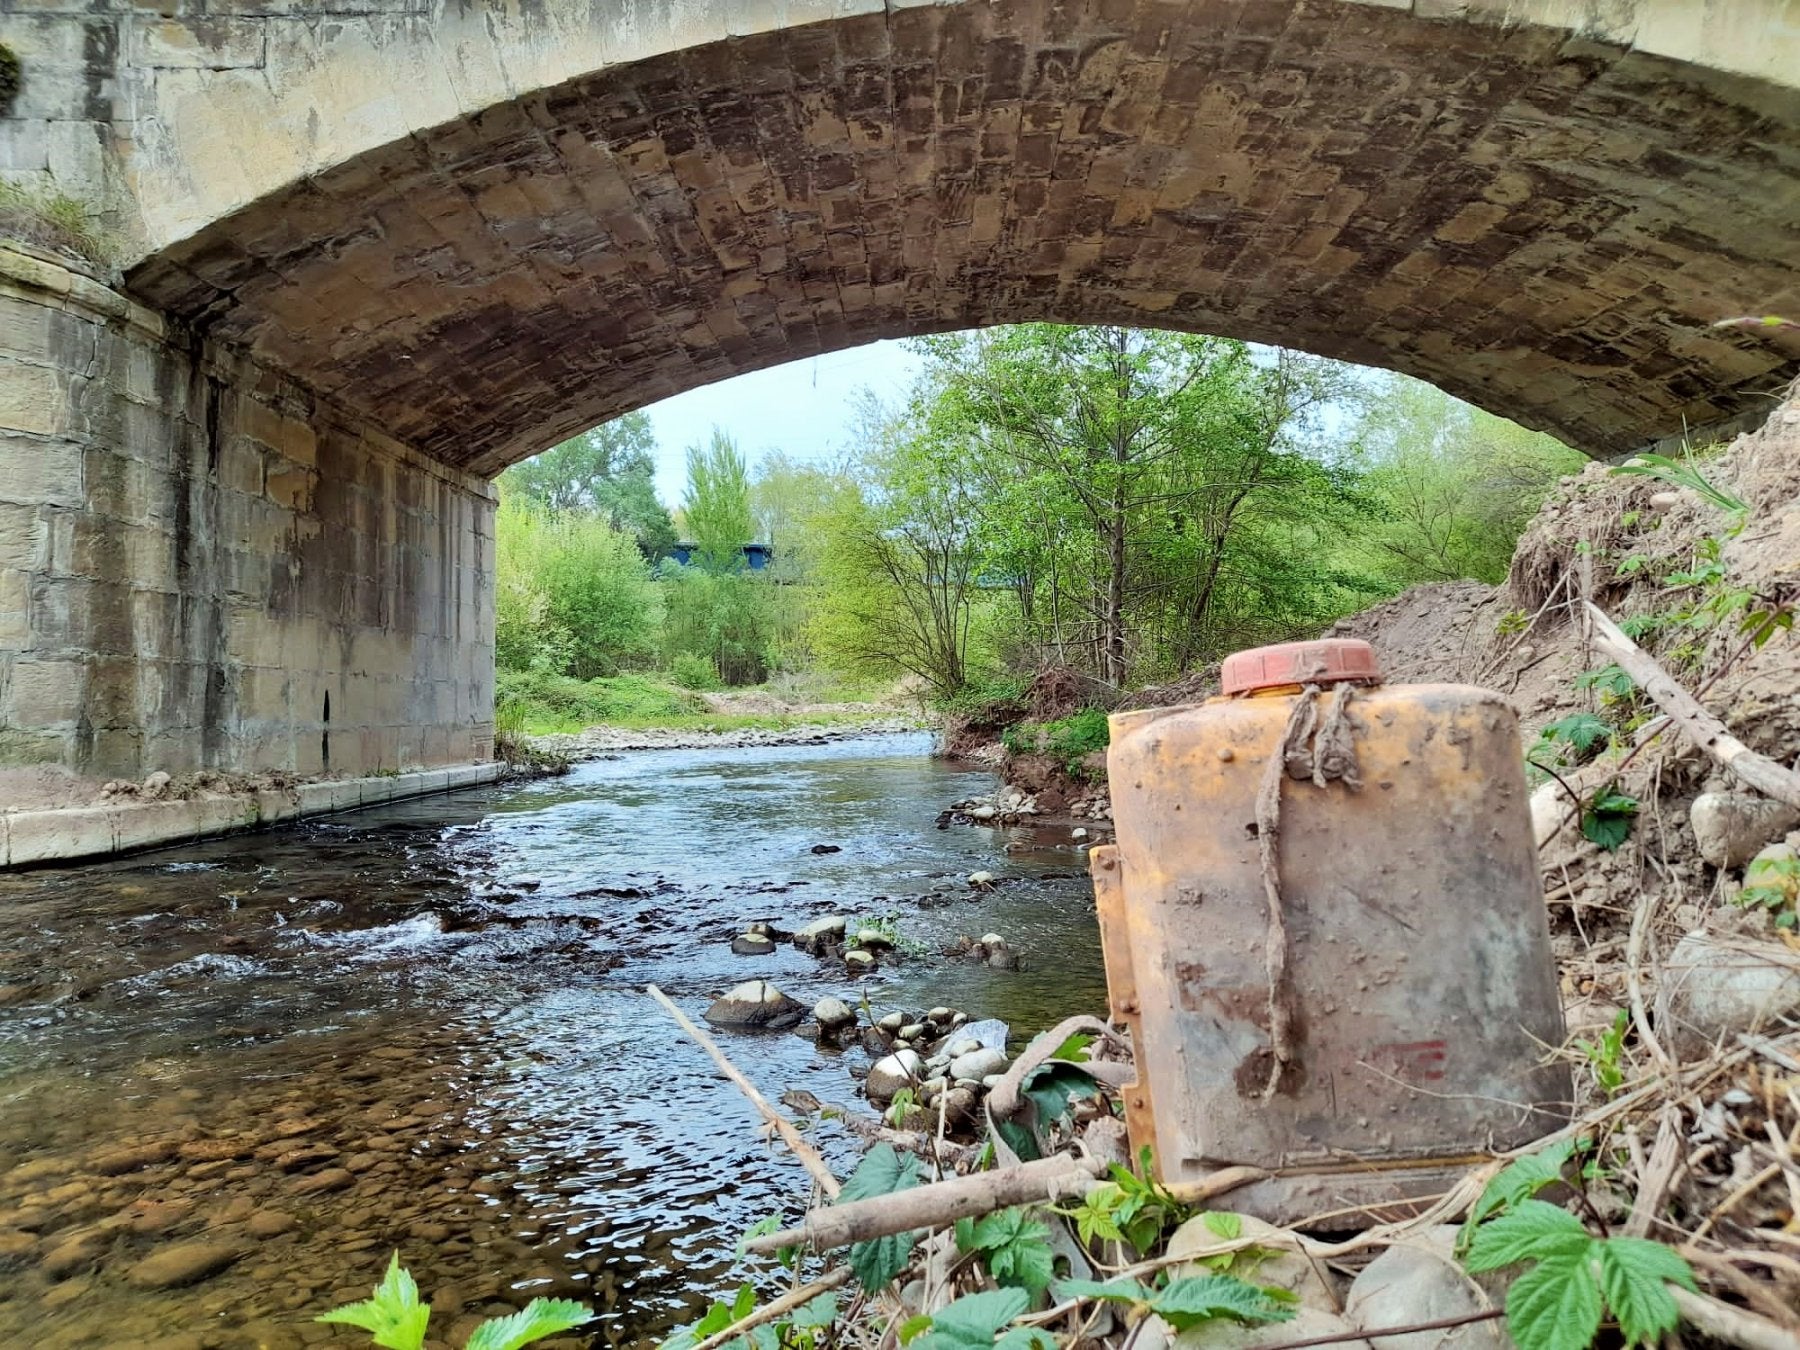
{"x":1541,"y":224}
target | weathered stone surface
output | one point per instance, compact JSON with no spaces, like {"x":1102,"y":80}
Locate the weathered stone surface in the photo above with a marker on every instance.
{"x":1420,"y":1281}
{"x":1732,"y":827}
{"x":821,"y":933}
{"x":755,"y":1003}
{"x":1716,"y":985}
{"x":891,"y":1073}
{"x":182,"y":1264}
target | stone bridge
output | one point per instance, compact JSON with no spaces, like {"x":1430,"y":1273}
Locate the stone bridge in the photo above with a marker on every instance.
{"x":365,"y":254}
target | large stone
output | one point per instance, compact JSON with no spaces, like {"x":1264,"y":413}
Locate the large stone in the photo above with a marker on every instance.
{"x":1419,"y":1280}
{"x":1716,"y":985}
{"x":888,"y":1075}
{"x":833,"y":1015}
{"x":755,"y":1003}
{"x":816,"y":936}
{"x":183,"y":1264}
{"x":1732,"y":827}
{"x":753,"y":944}
{"x":978,"y":1064}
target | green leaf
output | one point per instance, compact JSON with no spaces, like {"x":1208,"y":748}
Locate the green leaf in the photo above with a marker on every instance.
{"x":393,"y":1315}
{"x":1071,"y":1049}
{"x":537,"y":1319}
{"x":973,"y":1320}
{"x":1205,"y":1298}
{"x":1582,"y":731}
{"x":761,"y":1228}
{"x":882,"y":1171}
{"x":1530,"y":1230}
{"x":820,"y":1312}
{"x":1519,"y":1180}
{"x":1052,"y":1086}
{"x":1606,"y":819}
{"x":1016,"y":1245}
{"x":1555,"y":1305}
{"x":1222,"y":1223}
{"x":1113,"y":1291}
{"x":1635,"y":1275}
{"x":1026,"y":1338}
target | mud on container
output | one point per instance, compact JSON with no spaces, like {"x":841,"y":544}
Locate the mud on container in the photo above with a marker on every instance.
{"x":1397,"y":1023}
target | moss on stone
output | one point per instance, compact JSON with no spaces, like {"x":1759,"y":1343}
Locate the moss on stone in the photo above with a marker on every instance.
{"x":9,"y":79}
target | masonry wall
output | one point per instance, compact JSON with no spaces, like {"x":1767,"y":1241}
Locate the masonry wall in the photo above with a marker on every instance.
{"x":201,"y":567}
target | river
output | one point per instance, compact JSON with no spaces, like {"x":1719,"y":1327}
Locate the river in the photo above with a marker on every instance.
{"x":259,"y":1065}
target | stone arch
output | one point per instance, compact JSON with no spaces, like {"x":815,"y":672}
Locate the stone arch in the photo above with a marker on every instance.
{"x":1538,"y":210}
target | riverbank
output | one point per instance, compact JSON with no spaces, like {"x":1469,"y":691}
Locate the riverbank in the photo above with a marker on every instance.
{"x":598,"y":741}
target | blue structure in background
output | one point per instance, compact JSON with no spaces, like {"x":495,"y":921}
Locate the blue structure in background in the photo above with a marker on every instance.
{"x":756,"y":556}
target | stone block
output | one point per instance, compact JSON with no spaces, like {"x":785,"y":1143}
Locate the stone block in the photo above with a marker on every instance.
{"x":46,"y":694}
{"x":34,"y":400}
{"x":200,"y":43}
{"x":48,"y":836}
{"x":24,"y":539}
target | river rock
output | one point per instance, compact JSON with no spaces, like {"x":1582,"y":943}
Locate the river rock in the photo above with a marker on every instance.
{"x":833,"y":1015}
{"x":752,"y":944}
{"x":990,"y":1032}
{"x":875,"y":939}
{"x":888,"y":1075}
{"x":913,"y":1031}
{"x":997,"y":953}
{"x":860,"y":961}
{"x":1731,"y":827}
{"x":115,"y":1162}
{"x":755,"y":1003}
{"x":272,"y":1223}
{"x":816,"y":936}
{"x":983,"y":813}
{"x":1716,"y":985}
{"x":981,"y":880}
{"x":182,"y":1264}
{"x":1419,"y":1280}
{"x":73,"y":1254}
{"x":978,"y":1064}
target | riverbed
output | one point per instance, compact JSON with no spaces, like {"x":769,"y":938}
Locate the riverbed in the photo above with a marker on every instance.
{"x":234,"y":1077}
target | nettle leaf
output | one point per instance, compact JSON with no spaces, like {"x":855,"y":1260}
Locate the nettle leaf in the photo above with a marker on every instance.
{"x":393,"y":1314}
{"x":883,"y":1171}
{"x":1606,"y":819}
{"x":973,"y":1320}
{"x":1113,"y":1291}
{"x":1635,"y":1275}
{"x":820,"y":1312}
{"x":1555,"y":1305}
{"x":537,"y":1319}
{"x":1582,"y":731}
{"x":1222,"y":1223}
{"x":1206,"y":1298}
{"x":1519,"y":1180}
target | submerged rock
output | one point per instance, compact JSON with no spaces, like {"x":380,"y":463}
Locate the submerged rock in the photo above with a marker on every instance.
{"x":833,"y":1015}
{"x":182,"y":1264}
{"x":755,"y":1003}
{"x":753,"y":944}
{"x":860,"y":961}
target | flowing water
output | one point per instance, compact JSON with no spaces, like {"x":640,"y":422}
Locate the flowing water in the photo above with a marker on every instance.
{"x":235,"y":1076}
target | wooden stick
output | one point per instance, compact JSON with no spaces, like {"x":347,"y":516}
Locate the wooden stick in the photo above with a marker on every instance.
{"x":805,"y":1152}
{"x":1700,"y":726}
{"x":1731,"y":1324}
{"x":1380,"y":1333}
{"x":787,"y":1303}
{"x":940,"y":1203}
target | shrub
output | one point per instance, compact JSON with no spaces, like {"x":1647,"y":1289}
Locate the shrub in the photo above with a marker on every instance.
{"x":1069,"y":740}
{"x":692,"y":671}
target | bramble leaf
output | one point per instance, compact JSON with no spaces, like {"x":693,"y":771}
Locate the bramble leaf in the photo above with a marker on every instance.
{"x":1113,"y":1291}
{"x":393,"y":1314}
{"x":883,"y":1171}
{"x":1519,"y":1180}
{"x":1635,"y":1275}
{"x":1017,"y":1248}
{"x":1530,"y":1230}
{"x":1205,"y":1298}
{"x":973,"y":1320}
{"x":1556,"y":1304}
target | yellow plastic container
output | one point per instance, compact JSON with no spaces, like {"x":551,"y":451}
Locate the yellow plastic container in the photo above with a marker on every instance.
{"x":1419,"y":976}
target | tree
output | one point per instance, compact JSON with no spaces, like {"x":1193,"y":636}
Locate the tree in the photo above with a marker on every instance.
{"x":716,"y":505}
{"x":1456,"y":485}
{"x":610,"y":471}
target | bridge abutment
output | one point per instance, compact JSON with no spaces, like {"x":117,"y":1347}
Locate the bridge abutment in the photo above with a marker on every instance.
{"x":203,"y":567}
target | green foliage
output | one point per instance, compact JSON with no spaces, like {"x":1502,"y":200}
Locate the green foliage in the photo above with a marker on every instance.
{"x":693,"y":671}
{"x":1683,"y":474}
{"x":803,"y":1329}
{"x":1610,"y":682}
{"x":1606,"y":1055}
{"x":715,"y":509}
{"x":558,"y":702}
{"x":1014,"y":1246}
{"x":977,"y":1320}
{"x":1574,"y":1279}
{"x":1606,"y":818}
{"x":1518,"y":1180}
{"x":572,"y":594}
{"x":397,"y":1320}
{"x":988,"y":698}
{"x":1773,"y":881}
{"x":1193,"y":1301}
{"x":1130,"y":1207}
{"x":39,"y":212}
{"x":1581,"y":732}
{"x":1068,"y":740}
{"x":882,"y":1171}
{"x":608,"y":472}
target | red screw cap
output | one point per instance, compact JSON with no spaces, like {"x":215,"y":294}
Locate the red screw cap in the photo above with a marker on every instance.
{"x":1327,"y":661}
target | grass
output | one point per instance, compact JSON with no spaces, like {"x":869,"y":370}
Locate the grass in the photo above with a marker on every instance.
{"x":539,"y":704}
{"x":39,"y":213}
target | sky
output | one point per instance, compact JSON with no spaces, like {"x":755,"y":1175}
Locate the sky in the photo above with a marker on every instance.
{"x":805,"y":408}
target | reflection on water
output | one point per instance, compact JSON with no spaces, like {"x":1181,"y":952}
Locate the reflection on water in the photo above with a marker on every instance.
{"x":234,"y":1076}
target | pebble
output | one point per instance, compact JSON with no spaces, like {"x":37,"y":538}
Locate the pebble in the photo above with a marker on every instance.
{"x":182,"y":1264}
{"x":272,"y":1223}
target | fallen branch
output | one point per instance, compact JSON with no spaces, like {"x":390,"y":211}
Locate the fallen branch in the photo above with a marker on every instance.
{"x":787,"y":1303}
{"x":1700,"y":726}
{"x":805,"y":1152}
{"x":1339,"y":1337}
{"x":1733,"y":1325}
{"x":930,"y":1206}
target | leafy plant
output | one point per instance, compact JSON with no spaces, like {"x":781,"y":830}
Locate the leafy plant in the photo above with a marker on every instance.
{"x":1773,"y":882}
{"x":1574,"y":1279}
{"x":1518,"y":1180}
{"x":1606,"y":818}
{"x":1605,"y":1055}
{"x":1683,"y":474}
{"x":1190,"y":1302}
{"x":1513,"y":621}
{"x":396,"y":1318}
{"x":1610,"y":682}
{"x":1013,"y":1245}
{"x":800,"y":1330}
{"x":1129,"y":1208}
{"x":1581,"y":732}
{"x":977,"y":1320}
{"x":883,"y":1171}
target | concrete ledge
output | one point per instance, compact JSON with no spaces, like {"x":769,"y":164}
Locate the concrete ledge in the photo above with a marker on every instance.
{"x":31,"y":838}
